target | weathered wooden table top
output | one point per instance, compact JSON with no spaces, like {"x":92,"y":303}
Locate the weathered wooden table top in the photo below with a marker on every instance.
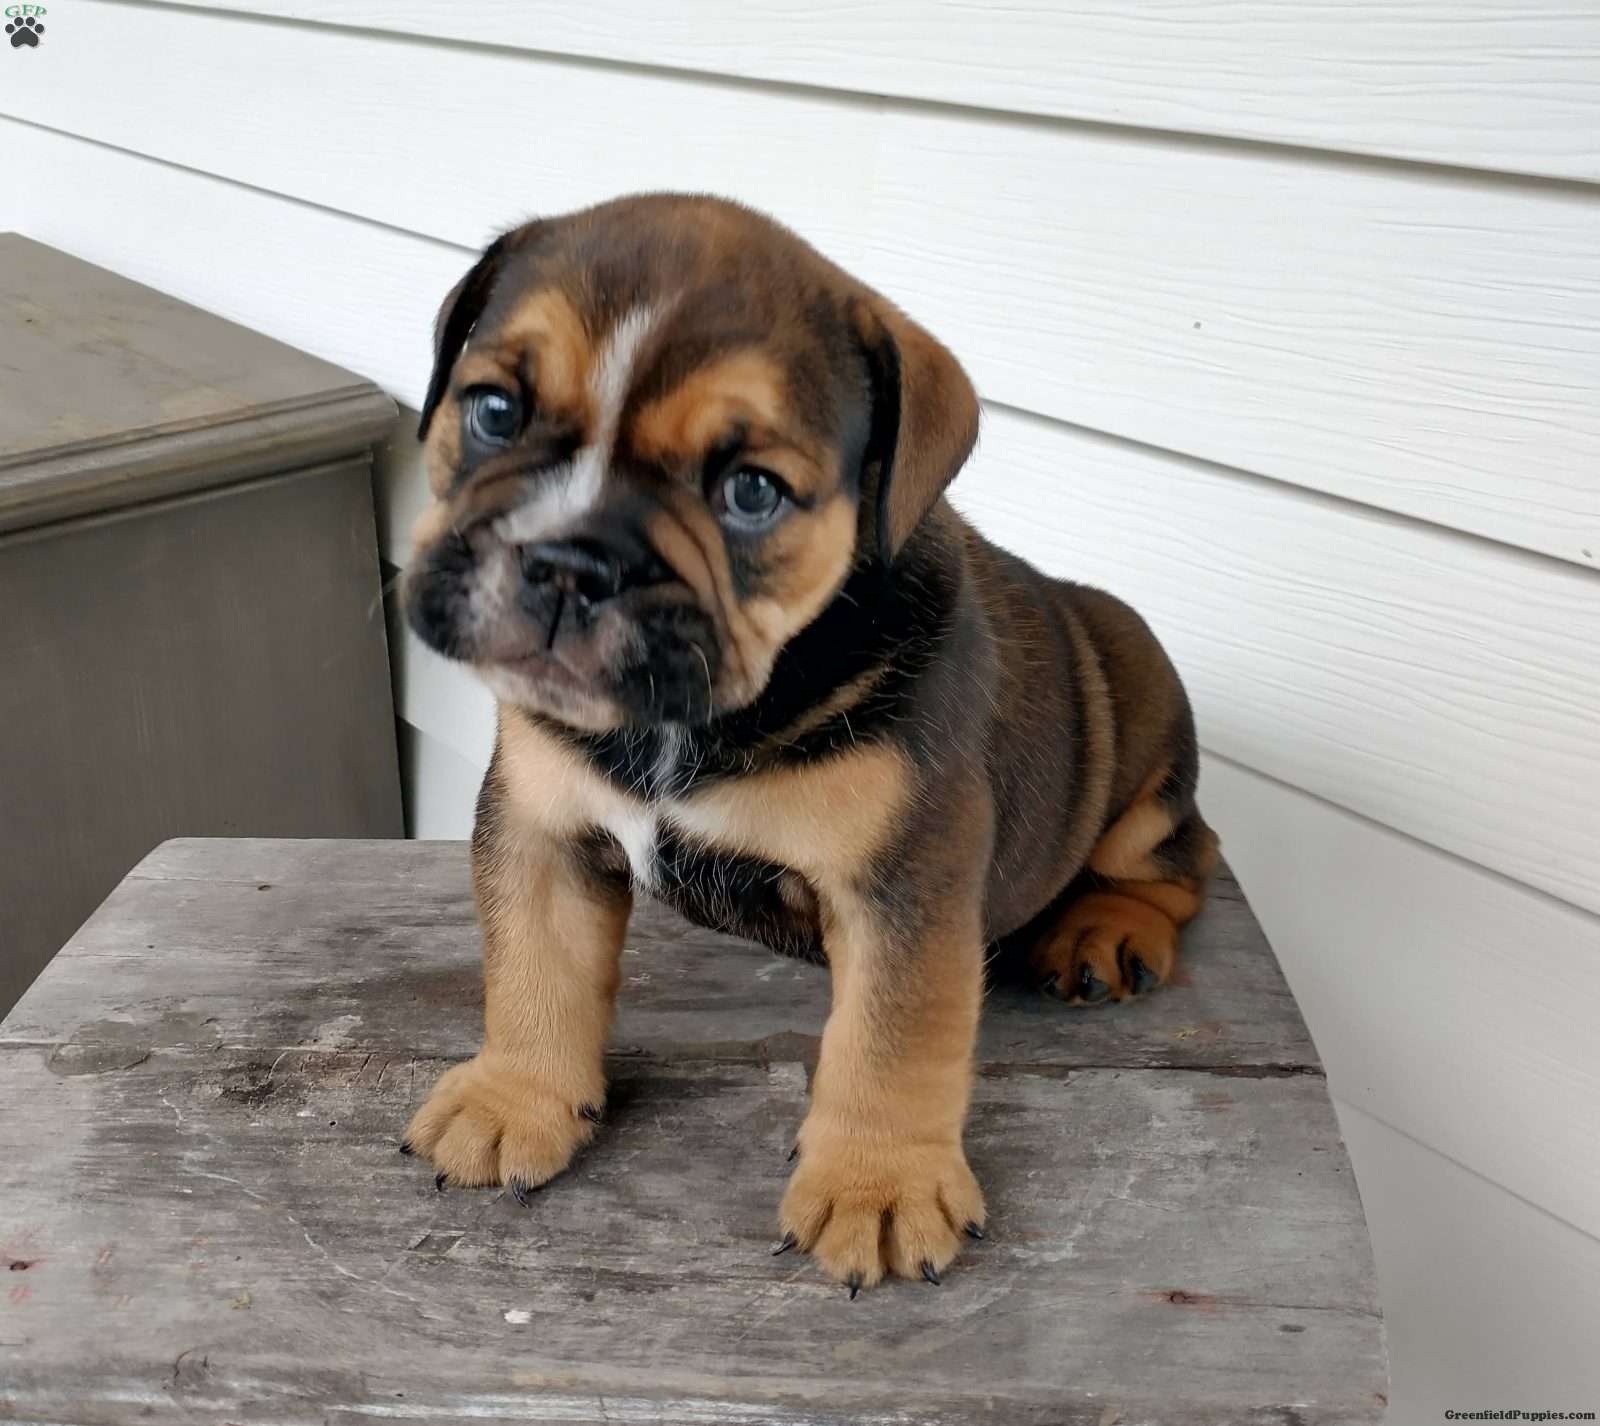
{"x":203,"y":1217}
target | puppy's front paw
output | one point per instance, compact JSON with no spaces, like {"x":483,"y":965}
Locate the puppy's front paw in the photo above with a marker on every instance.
{"x":865,"y":1206}
{"x":488,"y":1122}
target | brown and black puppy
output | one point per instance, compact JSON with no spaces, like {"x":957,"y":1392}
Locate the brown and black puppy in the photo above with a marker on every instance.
{"x":688,"y":526}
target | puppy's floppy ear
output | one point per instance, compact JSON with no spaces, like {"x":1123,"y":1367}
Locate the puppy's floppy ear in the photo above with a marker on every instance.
{"x":462,"y":307}
{"x":924,"y":419}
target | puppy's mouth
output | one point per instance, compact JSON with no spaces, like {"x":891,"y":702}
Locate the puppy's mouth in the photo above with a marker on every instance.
{"x":572,"y":628}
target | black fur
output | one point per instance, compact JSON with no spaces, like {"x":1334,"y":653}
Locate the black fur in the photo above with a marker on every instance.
{"x":456,"y":322}
{"x":894,"y":622}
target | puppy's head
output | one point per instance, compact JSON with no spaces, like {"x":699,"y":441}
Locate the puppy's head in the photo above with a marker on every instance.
{"x":660,"y":434}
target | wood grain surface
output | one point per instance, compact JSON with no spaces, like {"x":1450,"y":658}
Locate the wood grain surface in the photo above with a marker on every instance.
{"x":204,"y":1218}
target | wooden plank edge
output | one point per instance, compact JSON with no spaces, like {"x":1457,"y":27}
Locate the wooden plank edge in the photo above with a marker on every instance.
{"x":169,"y":461}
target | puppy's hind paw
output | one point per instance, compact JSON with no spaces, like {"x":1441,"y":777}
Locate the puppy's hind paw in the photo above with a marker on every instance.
{"x":1107,"y":946}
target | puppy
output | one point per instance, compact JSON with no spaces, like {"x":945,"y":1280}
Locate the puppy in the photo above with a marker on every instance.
{"x":688,"y":526}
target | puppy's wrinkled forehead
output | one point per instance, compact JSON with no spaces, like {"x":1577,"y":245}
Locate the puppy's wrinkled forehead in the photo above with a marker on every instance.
{"x":654,"y":331}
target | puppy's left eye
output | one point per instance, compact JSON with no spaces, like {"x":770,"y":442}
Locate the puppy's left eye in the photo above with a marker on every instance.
{"x":494,"y":417}
{"x":751,"y":497}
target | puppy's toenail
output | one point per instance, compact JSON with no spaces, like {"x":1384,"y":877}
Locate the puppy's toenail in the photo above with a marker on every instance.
{"x":439,"y":1182}
{"x":519,"y":1191}
{"x":1143,"y":977}
{"x":853,"y":1282}
{"x":788,"y":1242}
{"x":1090,"y":987}
{"x":930,"y":1273}
{"x":974,"y":1231}
{"x":590,"y":1113}
{"x":406,"y":1149}
{"x":1051,"y":983}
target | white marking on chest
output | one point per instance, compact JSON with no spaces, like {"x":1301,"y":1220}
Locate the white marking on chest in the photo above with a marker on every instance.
{"x":637,"y":832}
{"x":570,"y":492}
{"x":674,"y":738}
{"x":638,"y":826}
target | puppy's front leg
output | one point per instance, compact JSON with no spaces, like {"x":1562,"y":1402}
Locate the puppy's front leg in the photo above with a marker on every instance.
{"x":882,"y":1183}
{"x":552,"y":928}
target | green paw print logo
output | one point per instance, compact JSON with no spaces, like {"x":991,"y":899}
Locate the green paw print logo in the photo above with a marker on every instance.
{"x":24,"y":27}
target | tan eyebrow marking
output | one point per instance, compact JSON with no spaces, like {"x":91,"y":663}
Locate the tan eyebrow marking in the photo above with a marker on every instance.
{"x":547,"y":343}
{"x":744,"y":390}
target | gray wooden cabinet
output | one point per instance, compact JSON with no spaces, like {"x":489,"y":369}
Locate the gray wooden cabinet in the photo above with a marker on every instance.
{"x":191,"y":635}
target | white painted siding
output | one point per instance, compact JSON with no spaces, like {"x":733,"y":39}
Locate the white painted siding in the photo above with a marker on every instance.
{"x":1287,"y":318}
{"x":1498,"y":84}
{"x":1290,"y":310}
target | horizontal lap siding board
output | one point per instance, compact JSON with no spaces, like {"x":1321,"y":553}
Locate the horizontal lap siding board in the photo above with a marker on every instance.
{"x":398,"y":130}
{"x":1486,"y":1300}
{"x":1411,"y":341}
{"x":1448,"y":1001}
{"x":1421,"y":341}
{"x":1439,"y":684}
{"x":1501,"y":84}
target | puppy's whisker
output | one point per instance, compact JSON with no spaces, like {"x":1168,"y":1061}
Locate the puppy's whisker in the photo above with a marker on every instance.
{"x":705,"y":663}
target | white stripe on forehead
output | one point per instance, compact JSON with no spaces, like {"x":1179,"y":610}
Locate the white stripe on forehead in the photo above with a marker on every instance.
{"x":570,"y":493}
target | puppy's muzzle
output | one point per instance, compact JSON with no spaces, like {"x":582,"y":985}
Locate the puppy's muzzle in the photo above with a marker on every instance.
{"x":590,"y":570}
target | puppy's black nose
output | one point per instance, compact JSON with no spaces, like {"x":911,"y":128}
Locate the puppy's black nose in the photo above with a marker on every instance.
{"x":582,"y":567}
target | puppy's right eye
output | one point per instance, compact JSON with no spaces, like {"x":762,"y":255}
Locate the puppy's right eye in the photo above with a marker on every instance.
{"x":494,"y":417}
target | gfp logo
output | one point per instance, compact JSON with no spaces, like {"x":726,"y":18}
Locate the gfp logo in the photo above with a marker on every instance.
{"x":24,"y":25}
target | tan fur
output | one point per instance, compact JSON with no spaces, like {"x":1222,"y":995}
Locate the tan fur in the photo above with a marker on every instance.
{"x":743,"y":390}
{"x":806,"y":580}
{"x":548,"y":785}
{"x":1180,"y":901}
{"x":1123,"y":852}
{"x":1098,"y":932}
{"x":440,"y":458}
{"x":812,"y":558}
{"x":551,"y":949}
{"x":882,"y":1183}
{"x":826,"y":819}
{"x":1134,"y":920}
{"x":431,"y":525}
{"x":515,"y":1112}
{"x":548,"y":343}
